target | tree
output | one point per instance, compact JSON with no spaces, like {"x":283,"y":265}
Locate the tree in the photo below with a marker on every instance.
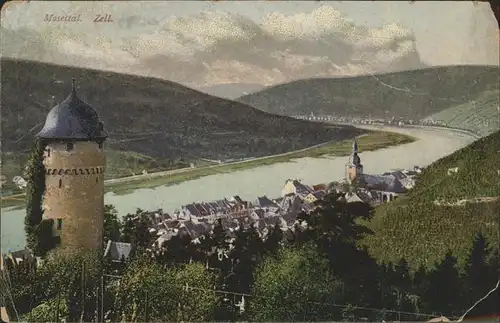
{"x":216,"y":243}
{"x":295,"y":287}
{"x":443,"y":295}
{"x":177,"y":250}
{"x":274,"y":240}
{"x":53,"y":310}
{"x":334,"y":221}
{"x":333,"y":227}
{"x":37,"y":238}
{"x":136,"y":230}
{"x":419,"y":288}
{"x":478,"y":277}
{"x":402,"y":284}
{"x":245,"y":257}
{"x":385,"y":281}
{"x":23,"y":282}
{"x":74,"y":278}
{"x":148,"y":292}
{"x":198,"y":301}
{"x":112,"y":225}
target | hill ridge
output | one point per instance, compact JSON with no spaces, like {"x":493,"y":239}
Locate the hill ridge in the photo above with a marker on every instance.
{"x":152,"y":116}
{"x":412,"y":94}
{"x":344,"y":77}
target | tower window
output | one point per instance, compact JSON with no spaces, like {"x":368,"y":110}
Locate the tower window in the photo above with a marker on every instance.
{"x":100,"y":145}
{"x":59,"y":224}
{"x":97,"y":179}
{"x":60,"y":183}
{"x":69,"y":146}
{"x":48,"y":152}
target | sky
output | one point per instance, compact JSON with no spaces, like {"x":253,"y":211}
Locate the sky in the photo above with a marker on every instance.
{"x":203,"y":43}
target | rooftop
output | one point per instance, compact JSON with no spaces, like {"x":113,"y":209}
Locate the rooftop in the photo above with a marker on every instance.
{"x":73,"y":119}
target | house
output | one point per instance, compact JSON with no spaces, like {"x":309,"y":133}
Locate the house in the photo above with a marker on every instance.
{"x":196,"y":230}
{"x":201,"y":209}
{"x":257,"y":214}
{"x":314,"y":196}
{"x":188,"y":211}
{"x":279,"y":200}
{"x":408,"y":182}
{"x":384,"y":188}
{"x":239,"y":208}
{"x":406,"y":177}
{"x":261,"y":227}
{"x":118,"y":251}
{"x":291,"y":204}
{"x":265,"y":203}
{"x":165,"y":237}
{"x":228,"y":223}
{"x":453,"y":170}
{"x":236,"y":199}
{"x":288,"y":220}
{"x":319,"y":187}
{"x":361,"y":196}
{"x":182,"y":230}
{"x":293,"y":186}
{"x":16,"y":257}
{"x":20,"y":182}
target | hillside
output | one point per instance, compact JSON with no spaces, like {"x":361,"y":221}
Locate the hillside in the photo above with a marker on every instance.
{"x":480,"y":115}
{"x":410,"y":94}
{"x":419,"y":229}
{"x":232,"y":90}
{"x":150,"y":116}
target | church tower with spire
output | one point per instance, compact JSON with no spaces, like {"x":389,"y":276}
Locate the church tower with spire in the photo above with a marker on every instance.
{"x":354,"y":168}
{"x":74,"y":162}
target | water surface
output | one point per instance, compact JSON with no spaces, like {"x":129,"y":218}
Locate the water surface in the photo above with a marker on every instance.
{"x":431,"y":145}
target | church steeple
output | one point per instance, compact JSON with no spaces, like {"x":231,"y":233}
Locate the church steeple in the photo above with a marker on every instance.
{"x":355,"y":158}
{"x":354,"y":168}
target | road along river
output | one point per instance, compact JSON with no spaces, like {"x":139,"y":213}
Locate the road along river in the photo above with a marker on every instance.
{"x":431,"y":144}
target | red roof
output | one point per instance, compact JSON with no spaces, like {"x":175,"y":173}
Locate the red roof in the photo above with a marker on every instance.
{"x":319,"y":187}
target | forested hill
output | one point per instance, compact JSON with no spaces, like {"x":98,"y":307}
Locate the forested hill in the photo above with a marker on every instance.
{"x":151,"y":116}
{"x":444,"y":211}
{"x":410,"y":94}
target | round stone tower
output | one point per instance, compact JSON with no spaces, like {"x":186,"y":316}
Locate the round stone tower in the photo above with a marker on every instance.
{"x":74,"y":161}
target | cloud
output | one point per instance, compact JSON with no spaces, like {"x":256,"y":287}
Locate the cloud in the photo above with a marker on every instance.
{"x":283,"y":47}
{"x":219,"y":47}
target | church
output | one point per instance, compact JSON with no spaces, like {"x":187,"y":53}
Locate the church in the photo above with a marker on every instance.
{"x":380,"y":188}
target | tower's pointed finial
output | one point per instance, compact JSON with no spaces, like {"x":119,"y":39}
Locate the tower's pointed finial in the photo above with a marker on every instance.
{"x":73,"y":85}
{"x":355,"y":146}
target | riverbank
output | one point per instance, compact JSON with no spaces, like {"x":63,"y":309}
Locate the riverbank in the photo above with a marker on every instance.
{"x":372,"y":140}
{"x":267,"y":180}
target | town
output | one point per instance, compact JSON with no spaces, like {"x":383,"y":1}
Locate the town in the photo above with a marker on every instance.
{"x":387,"y":120}
{"x":197,"y":219}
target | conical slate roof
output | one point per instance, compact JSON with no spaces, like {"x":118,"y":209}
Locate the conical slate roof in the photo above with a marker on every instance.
{"x":73,"y":119}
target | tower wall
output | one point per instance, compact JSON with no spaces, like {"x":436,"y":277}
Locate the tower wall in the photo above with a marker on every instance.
{"x":74,"y":196}
{"x":353,"y":172}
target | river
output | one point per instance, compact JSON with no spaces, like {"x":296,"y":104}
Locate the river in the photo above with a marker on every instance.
{"x":432,"y":144}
